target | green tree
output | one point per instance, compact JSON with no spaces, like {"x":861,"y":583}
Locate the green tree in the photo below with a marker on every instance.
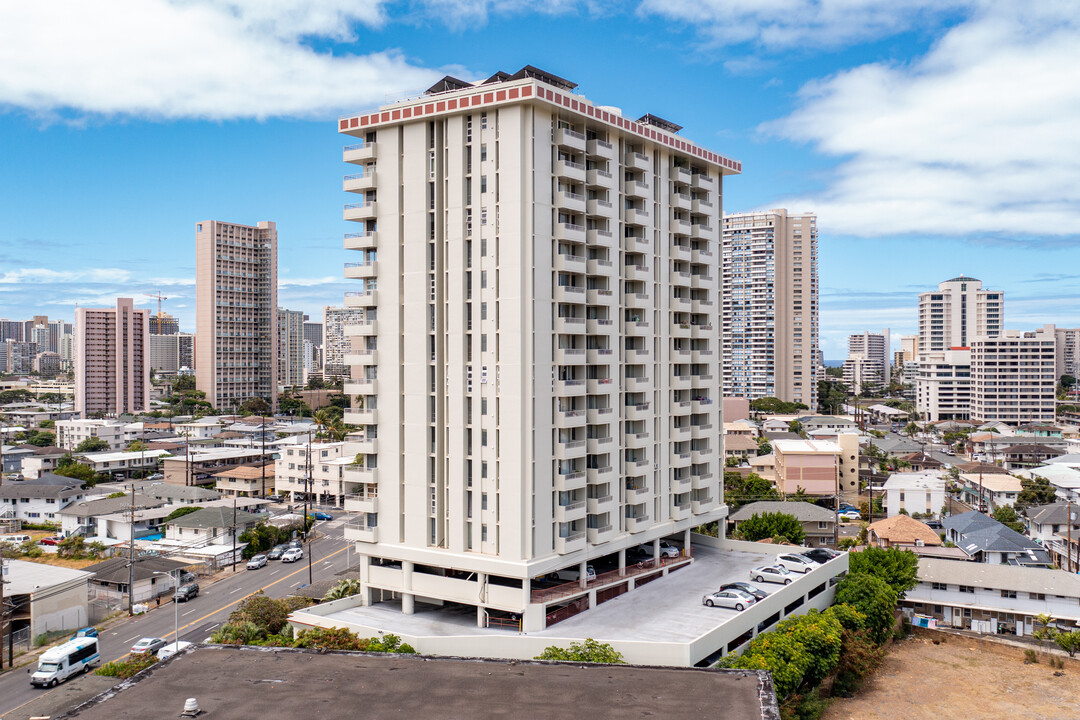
{"x":872,"y":597}
{"x":1006,"y":515}
{"x":41,"y":439}
{"x":898,"y":568}
{"x":775,"y":406}
{"x":1034,"y":492}
{"x":763,"y":446}
{"x":589,"y":651}
{"x":771,"y":525}
{"x":346,"y":588}
{"x":1068,"y":641}
{"x":241,"y":633}
{"x":67,"y":467}
{"x":269,"y":614}
{"x":47,"y":424}
{"x":182,"y":511}
{"x":739,"y":491}
{"x":911,"y":429}
{"x":135,"y":446}
{"x":92,"y":444}
{"x":315,"y":383}
{"x":796,"y":427}
{"x":184,"y":382}
{"x":254,"y":406}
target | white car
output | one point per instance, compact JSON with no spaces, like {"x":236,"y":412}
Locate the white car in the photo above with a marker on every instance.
{"x":796,"y":563}
{"x":771,"y":573}
{"x":171,"y":649}
{"x":850,"y":515}
{"x":571,"y":574}
{"x":292,"y":555}
{"x":734,"y":599}
{"x":256,"y":562}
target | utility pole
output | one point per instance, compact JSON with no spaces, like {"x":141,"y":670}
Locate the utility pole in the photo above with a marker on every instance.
{"x":307,"y":495}
{"x":131,"y":560}
{"x":1068,"y":519}
{"x":234,"y":533}
{"x":3,"y":613}
{"x":262,"y":460}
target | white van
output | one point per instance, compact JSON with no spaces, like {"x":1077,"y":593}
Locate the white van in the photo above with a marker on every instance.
{"x":73,"y":657}
{"x":15,"y":539}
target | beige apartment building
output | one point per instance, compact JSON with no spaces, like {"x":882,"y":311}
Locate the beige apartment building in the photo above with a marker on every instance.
{"x":335,"y":341}
{"x":290,"y":347}
{"x":236,"y":336}
{"x":112,"y":359}
{"x":1068,"y":351}
{"x":868,"y":361}
{"x":540,"y":385}
{"x":770,"y":306}
{"x":1013,"y":378}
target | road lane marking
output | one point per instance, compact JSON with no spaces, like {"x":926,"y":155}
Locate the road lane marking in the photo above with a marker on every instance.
{"x":224,"y":607}
{"x":236,"y":590}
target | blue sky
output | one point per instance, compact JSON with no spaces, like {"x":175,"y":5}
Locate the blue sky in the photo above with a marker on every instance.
{"x":932,"y":137}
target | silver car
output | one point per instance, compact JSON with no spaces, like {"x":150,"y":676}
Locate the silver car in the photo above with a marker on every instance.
{"x":256,"y":562}
{"x":771,"y":573}
{"x":734,"y":599}
{"x":796,"y":563}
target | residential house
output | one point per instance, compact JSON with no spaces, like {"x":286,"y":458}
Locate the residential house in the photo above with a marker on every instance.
{"x":901,"y":531}
{"x":828,"y":422}
{"x":974,"y":468}
{"x":993,"y":598}
{"x":44,"y":598}
{"x":914,"y":493}
{"x":985,"y":540}
{"x":990,"y":491}
{"x":43,"y":460}
{"x":1065,"y":478}
{"x":154,"y":577}
{"x":90,"y":518}
{"x":818,"y":523}
{"x":13,"y":457}
{"x":199,"y":466}
{"x":39,"y":499}
{"x":1029,"y":455}
{"x":886,"y":415}
{"x":921,"y":462}
{"x":123,"y":464}
{"x":292,"y":470}
{"x":1050,"y":526}
{"x":246,"y":481}
{"x":71,"y":433}
{"x":211,"y":526}
{"x":1040,"y":431}
{"x":740,"y":447}
{"x":810,"y":465}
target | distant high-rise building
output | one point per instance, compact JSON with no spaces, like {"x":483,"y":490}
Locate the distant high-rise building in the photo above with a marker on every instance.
{"x":17,"y":357}
{"x":112,"y":359}
{"x":172,"y":353}
{"x":1068,"y":351}
{"x":164,"y":324}
{"x":312,"y":358}
{"x":290,"y":347}
{"x":770,"y":306}
{"x":868,"y":361}
{"x":12,"y":330}
{"x":1013,"y":377}
{"x":236,"y":312}
{"x":313,"y":332}
{"x":335,"y":342}
{"x":950,"y":318}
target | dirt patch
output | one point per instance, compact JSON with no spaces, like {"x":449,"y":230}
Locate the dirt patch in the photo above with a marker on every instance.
{"x":62,"y":562}
{"x":958,"y":680}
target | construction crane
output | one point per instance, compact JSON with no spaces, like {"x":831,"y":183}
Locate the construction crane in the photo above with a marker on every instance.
{"x":159,"y":297}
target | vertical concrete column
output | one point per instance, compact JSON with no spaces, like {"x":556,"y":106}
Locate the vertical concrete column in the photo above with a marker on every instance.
{"x":481,"y":581}
{"x":622,"y":562}
{"x":582,"y":578}
{"x":407,"y":598}
{"x":480,"y":613}
{"x":656,"y":551}
{"x":686,"y":541}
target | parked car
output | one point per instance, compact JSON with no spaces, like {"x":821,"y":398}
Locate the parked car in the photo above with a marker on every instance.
{"x":847,"y":506}
{"x":256,"y":562}
{"x":320,"y":515}
{"x":796,"y":562}
{"x":171,"y":649}
{"x":771,"y":573}
{"x":275,"y":498}
{"x":645,"y":550}
{"x":820,"y":554}
{"x":850,"y":515}
{"x":147,"y":644}
{"x":734,"y":599}
{"x":50,"y":540}
{"x":85,"y":632}
{"x":572,"y":573}
{"x":935,"y":524}
{"x":186,"y":592}
{"x":292,"y":555}
{"x":757,"y":593}
{"x":277,"y":552}
{"x":186,"y":577}
{"x":294,"y":544}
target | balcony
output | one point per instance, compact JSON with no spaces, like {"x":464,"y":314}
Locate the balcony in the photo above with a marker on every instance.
{"x":568,"y":420}
{"x":701,"y":331}
{"x":568,"y":356}
{"x":600,"y":148}
{"x":600,"y":268}
{"x":680,"y":511}
{"x":570,"y":294}
{"x":636,"y":161}
{"x":360,"y":475}
{"x":361,"y":387}
{"x":364,"y":328}
{"x":702,"y":282}
{"x":680,"y":485}
{"x":569,"y":232}
{"x":602,"y":298}
{"x":570,"y":139}
{"x":703,"y":481}
{"x":680,"y":226}
{"x":701,"y":181}
{"x":681,"y":355}
{"x":360,"y":271}
{"x":601,"y":179}
{"x":601,"y":475}
{"x":570,"y":481}
{"x":362,"y":503}
{"x":682,"y":382}
{"x":679,"y":459}
{"x":680,"y":434}
{"x":600,"y":238}
{"x":679,"y":278}
{"x":681,"y":175}
{"x":681,"y":252}
{"x":569,"y":388}
{"x":703,"y":455}
{"x":681,"y":330}
{"x":702,"y":356}
{"x":361,"y":240}
{"x":680,"y":409}
{"x":572,"y":202}
{"x":701,"y":231}
{"x":359,"y":154}
{"x":361,"y":299}
{"x":633,"y":216}
{"x":681,"y":304}
{"x":574,"y":449}
{"x":637,"y":384}
{"x":597,"y":505}
{"x":362,"y":417}
{"x":637,"y":272}
{"x":637,"y":356}
{"x":600,"y":385}
{"x":638,"y":523}
{"x":637,"y":412}
{"x":570,"y":263}
{"x":637,"y":301}
{"x":636,"y":244}
{"x":571,"y":543}
{"x":679,"y":201}
{"x":361,"y":182}
{"x":703,"y":505}
{"x":703,"y":306}
{"x":637,"y":328}
{"x":602,"y":534}
{"x":597,"y":445}
{"x":569,"y":325}
{"x":360,"y":211}
{"x":636,"y":440}
{"x":636,"y":189}
{"x":595,"y":206}
{"x":362,"y":358}
{"x":365,"y":445}
{"x":701,"y":207}
{"x":599,"y":356}
{"x":360,"y":531}
{"x":636,"y":495}
{"x":570,"y":513}
{"x":569,"y":170}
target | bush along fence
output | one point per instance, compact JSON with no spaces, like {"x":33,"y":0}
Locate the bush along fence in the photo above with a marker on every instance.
{"x":822,"y":654}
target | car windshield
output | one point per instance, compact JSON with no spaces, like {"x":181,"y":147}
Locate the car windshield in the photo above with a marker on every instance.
{"x":48,"y":667}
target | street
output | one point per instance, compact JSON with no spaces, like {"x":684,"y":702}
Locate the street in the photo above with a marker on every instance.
{"x":198,"y":618}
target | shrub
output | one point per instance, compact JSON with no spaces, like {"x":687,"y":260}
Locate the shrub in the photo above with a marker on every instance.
{"x":859,"y":656}
{"x":346,"y":588}
{"x":872,"y":597}
{"x":1030,"y":657}
{"x":771,"y":525}
{"x":127,"y":668}
{"x":182,"y":511}
{"x":897,"y":568}
{"x":588,"y":651}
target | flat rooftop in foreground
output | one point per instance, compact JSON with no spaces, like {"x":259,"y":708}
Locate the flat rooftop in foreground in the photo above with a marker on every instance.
{"x":235,"y":682}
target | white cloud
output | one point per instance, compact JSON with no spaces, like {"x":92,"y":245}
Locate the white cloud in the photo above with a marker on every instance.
{"x":37,"y":276}
{"x":803,"y":24}
{"x":215,"y":59}
{"x":978,"y":137}
{"x":460,"y":14}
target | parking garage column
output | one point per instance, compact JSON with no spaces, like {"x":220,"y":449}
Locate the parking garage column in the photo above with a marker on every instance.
{"x":583,"y":579}
{"x":686,"y":542}
{"x":656,"y":552}
{"x":622,"y":562}
{"x":481,"y":611}
{"x":406,"y":584}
